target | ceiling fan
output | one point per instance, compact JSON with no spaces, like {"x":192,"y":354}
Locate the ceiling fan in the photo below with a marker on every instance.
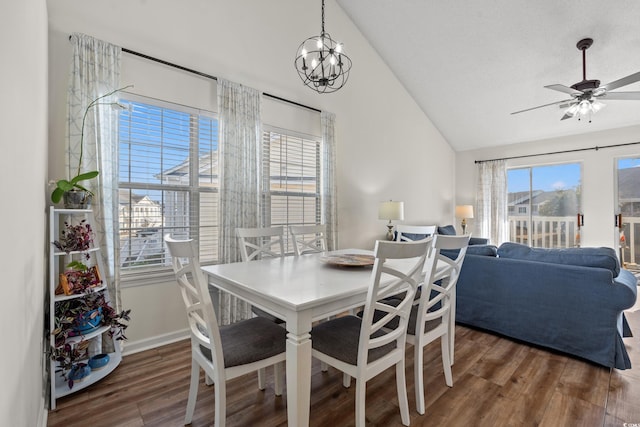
{"x":585,"y":95}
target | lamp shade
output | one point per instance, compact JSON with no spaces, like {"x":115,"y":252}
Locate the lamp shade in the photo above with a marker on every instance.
{"x":391,"y":210}
{"x":464,"y":211}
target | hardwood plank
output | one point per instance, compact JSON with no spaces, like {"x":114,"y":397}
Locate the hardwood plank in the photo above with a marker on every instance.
{"x":497,"y":382}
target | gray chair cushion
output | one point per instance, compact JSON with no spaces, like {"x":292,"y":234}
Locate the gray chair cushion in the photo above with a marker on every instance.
{"x":413,"y":317}
{"x":249,"y":341}
{"x":339,"y":339}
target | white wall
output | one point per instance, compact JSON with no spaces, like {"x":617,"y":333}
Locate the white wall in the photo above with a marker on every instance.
{"x":387,"y":148}
{"x":598,"y":168}
{"x":23,"y":164}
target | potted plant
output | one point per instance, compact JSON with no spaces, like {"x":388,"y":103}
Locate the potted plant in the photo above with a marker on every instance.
{"x":75,"y":194}
{"x":75,"y":238}
{"x":76,"y":317}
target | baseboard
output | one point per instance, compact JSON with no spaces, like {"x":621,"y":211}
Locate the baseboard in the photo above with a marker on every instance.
{"x":44,"y":415}
{"x":132,"y":347}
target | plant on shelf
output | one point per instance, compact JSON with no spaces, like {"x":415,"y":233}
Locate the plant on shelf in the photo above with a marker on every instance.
{"x":78,"y":278}
{"x":70,"y":357}
{"x":75,"y":238}
{"x":64,"y":186}
{"x":74,"y":318}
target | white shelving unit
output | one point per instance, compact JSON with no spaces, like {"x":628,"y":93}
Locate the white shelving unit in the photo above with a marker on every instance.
{"x":57,"y":262}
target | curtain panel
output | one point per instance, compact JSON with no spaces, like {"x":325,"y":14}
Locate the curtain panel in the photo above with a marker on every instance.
{"x":492,"y":201}
{"x":239,"y":161}
{"x":329,"y":191}
{"x":95,"y":71}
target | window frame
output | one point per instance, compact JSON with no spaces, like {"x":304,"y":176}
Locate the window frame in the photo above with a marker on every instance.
{"x":192,"y":190}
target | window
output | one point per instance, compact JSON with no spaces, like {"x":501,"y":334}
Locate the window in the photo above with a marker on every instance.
{"x":291,"y":180}
{"x":547,"y":200}
{"x":168,"y":180}
{"x":628,"y":203}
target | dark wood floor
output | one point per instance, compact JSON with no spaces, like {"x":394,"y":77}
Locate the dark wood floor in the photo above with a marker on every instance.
{"x":497,"y":382}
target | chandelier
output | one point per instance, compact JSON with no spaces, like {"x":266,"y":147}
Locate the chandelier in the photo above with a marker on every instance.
{"x":321,"y":62}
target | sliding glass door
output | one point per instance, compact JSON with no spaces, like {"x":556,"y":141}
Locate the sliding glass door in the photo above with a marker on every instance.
{"x":543,"y":203}
{"x":628,"y":213}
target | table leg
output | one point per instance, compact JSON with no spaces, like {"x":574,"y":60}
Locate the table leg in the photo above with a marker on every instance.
{"x":298,"y":374}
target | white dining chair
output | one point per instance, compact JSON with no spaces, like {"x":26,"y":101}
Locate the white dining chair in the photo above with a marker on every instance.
{"x":360,"y":347}
{"x":407,"y":233}
{"x":261,"y":243}
{"x":308,"y":238}
{"x":433,"y":314}
{"x":224,"y":352}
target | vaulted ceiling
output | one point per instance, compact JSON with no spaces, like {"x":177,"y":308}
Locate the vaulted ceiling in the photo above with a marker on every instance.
{"x":469,"y":64}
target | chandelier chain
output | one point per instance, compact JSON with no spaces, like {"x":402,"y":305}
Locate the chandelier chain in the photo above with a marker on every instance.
{"x":322,"y":33}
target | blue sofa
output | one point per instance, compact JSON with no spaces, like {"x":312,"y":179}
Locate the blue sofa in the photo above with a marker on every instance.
{"x":570,"y":300}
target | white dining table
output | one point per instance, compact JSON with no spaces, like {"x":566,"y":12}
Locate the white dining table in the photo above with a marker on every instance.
{"x":299,"y":290}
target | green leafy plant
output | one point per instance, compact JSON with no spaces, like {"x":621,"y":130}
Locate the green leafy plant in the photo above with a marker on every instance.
{"x":69,"y":314}
{"x":64,"y":185}
{"x":74,"y":238}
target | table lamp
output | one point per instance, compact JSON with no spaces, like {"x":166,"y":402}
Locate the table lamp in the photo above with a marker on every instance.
{"x":464,"y":212}
{"x":392,"y":211}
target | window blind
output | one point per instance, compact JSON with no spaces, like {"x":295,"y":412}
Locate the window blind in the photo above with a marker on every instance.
{"x":168,"y":181}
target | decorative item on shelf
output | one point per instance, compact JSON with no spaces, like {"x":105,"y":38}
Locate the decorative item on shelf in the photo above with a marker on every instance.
{"x":98,"y":361}
{"x":79,"y":197}
{"x":87,"y":321}
{"x":79,"y":372}
{"x":464,"y":212}
{"x":392,"y":211}
{"x":321,"y":62}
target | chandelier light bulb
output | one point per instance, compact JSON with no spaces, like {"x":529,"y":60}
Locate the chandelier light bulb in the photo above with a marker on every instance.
{"x":339,"y":48}
{"x":303,"y":52}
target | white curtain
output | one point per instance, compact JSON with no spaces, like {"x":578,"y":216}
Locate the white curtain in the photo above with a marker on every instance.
{"x":492,"y":201}
{"x":329,"y":191}
{"x":239,"y":168}
{"x":95,"y":71}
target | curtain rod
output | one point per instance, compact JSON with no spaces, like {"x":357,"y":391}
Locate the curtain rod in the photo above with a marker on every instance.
{"x":596,"y":148}
{"x":209,"y":76}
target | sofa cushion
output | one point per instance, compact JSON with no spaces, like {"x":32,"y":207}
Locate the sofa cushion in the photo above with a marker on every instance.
{"x":485,"y":250}
{"x":482,"y":250}
{"x":448,"y":230}
{"x":587,"y":257}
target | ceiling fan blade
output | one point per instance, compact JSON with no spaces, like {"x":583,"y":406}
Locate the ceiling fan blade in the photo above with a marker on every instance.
{"x":541,"y":106}
{"x":565,"y":89}
{"x":623,"y":96}
{"x":622,"y":82}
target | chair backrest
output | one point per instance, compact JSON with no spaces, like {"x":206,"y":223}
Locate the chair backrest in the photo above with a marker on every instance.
{"x":308,"y":238}
{"x":262,"y":242}
{"x":203,"y":324}
{"x":397,"y":271}
{"x":440,"y":278}
{"x":408,"y":233}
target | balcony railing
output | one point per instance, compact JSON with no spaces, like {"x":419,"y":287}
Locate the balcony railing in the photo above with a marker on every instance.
{"x":546,"y":231}
{"x":560,"y":232}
